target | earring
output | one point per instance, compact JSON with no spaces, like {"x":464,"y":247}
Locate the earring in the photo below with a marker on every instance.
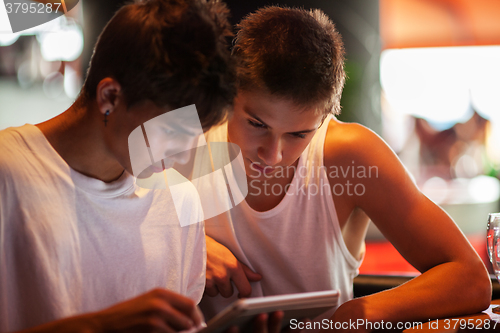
{"x":106,"y":118}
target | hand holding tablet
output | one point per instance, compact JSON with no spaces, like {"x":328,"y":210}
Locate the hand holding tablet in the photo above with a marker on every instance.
{"x":295,"y":306}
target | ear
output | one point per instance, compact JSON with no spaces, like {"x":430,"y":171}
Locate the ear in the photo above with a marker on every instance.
{"x":108,"y":95}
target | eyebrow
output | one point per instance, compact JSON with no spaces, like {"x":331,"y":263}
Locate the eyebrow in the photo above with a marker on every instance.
{"x":297,"y":132}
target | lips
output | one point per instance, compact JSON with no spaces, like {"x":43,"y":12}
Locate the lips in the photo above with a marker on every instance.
{"x":266,"y":169}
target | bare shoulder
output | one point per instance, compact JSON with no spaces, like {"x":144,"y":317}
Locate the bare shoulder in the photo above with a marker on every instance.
{"x":346,"y":142}
{"x":372,"y":162}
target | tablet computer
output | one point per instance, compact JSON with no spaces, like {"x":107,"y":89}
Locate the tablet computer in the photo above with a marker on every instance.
{"x":295,"y":306}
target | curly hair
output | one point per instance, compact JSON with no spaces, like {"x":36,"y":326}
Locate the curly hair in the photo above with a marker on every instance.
{"x":172,"y":52}
{"x":291,"y":53}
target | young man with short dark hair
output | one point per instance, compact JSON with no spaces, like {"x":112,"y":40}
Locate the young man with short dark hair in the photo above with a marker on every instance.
{"x":82,"y":247}
{"x":313,"y":185}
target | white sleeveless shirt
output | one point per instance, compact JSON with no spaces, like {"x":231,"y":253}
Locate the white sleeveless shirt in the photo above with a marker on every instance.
{"x":71,"y":244}
{"x":296,"y":246}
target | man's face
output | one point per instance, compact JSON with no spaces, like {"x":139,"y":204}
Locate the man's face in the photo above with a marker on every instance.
{"x":272,"y":132}
{"x":168,"y":135}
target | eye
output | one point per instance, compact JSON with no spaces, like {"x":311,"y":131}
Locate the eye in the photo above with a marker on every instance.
{"x":256,"y":124}
{"x":298,"y":135}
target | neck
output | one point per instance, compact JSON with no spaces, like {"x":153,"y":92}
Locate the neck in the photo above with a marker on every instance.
{"x":77,"y":136}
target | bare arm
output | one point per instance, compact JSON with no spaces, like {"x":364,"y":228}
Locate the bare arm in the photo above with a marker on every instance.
{"x":223,"y":268}
{"x":454,"y":280}
{"x":159,"y":310}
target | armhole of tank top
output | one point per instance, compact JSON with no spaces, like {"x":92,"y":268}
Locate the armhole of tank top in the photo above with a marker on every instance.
{"x":355,"y":263}
{"x":352,"y":261}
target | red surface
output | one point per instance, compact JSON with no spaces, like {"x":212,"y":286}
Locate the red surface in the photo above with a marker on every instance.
{"x":383,"y":258}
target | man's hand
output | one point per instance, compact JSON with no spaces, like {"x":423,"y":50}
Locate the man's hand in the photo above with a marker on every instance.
{"x":159,"y":310}
{"x":264,"y":323}
{"x":268,"y":323}
{"x":352,"y":311}
{"x":222,"y":268}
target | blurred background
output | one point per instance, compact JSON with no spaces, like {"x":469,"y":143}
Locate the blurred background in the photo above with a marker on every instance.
{"x":423,"y":74}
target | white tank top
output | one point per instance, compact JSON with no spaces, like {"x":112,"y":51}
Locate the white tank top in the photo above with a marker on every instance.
{"x":296,"y":246}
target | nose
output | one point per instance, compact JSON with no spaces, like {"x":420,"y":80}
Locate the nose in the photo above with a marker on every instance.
{"x":270,"y":152}
{"x":183,"y":145}
{"x":182,"y":157}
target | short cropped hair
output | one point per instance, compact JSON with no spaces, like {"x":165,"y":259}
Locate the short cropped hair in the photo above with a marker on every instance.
{"x":292,"y":53}
{"x":172,"y":52}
